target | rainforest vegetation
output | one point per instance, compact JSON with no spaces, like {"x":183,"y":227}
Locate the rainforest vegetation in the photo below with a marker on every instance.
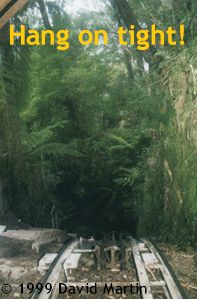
{"x":104,"y":136}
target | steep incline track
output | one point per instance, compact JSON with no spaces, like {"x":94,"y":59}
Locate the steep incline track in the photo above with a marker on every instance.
{"x":129,"y":263}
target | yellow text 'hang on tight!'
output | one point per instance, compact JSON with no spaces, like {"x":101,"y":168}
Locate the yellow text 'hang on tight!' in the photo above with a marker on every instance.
{"x":143,"y":39}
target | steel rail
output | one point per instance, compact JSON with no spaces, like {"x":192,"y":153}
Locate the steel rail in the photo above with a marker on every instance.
{"x":147,"y":258}
{"x":52,"y":275}
{"x":166,"y":262}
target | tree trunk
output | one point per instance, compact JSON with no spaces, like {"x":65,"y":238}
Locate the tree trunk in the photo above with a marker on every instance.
{"x":2,"y":200}
{"x":125,"y":13}
{"x":44,"y":14}
{"x":127,"y":56}
{"x":4,"y":41}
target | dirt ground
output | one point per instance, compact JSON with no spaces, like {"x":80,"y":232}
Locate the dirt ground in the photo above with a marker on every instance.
{"x":18,"y":264}
{"x":184,"y":265}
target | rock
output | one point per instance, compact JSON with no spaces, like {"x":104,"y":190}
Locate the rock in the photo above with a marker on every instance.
{"x":2,"y":228}
{"x":16,"y":295}
{"x":70,"y":279}
{"x":115,"y":270}
{"x":84,"y":269}
{"x":87,"y":261}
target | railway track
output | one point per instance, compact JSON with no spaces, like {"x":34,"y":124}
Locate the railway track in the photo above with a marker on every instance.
{"x":122,"y":267}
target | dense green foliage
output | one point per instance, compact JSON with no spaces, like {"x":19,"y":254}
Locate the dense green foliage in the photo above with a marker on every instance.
{"x":94,"y":134}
